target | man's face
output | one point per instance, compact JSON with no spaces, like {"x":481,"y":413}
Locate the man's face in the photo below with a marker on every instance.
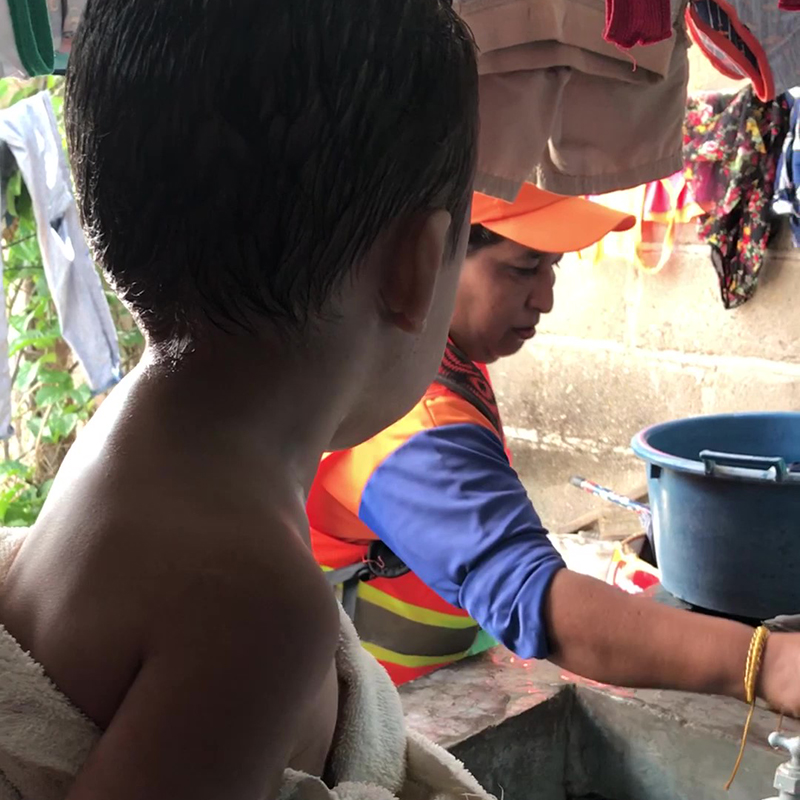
{"x":503,"y":291}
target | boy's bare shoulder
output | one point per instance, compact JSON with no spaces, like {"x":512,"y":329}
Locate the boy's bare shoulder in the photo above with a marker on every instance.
{"x":247,"y":570}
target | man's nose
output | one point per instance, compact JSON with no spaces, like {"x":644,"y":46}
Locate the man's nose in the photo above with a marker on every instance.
{"x":541,"y":297}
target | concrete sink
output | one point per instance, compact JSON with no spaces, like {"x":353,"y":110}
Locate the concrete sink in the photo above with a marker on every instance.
{"x":529,"y":731}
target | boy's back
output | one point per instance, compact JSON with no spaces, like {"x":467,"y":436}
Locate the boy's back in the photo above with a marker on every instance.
{"x":280,"y":196}
{"x":161,"y":570}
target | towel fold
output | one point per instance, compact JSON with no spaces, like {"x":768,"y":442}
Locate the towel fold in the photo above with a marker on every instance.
{"x":44,"y":739}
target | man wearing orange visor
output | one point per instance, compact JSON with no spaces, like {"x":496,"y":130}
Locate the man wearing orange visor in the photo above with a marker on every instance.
{"x":437,"y":487}
{"x":432,"y":534}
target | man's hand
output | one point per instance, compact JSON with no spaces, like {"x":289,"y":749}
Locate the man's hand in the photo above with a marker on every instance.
{"x":779,"y":680}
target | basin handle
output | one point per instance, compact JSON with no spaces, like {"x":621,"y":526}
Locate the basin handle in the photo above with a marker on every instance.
{"x":791,"y":744}
{"x":713,"y":460}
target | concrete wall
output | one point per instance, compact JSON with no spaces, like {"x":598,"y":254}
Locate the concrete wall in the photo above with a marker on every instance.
{"x":624,"y":349}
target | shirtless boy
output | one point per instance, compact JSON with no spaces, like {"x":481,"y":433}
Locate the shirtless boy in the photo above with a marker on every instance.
{"x":279,"y":191}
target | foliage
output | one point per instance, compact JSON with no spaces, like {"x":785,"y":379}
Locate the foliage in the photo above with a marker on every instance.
{"x":50,"y":397}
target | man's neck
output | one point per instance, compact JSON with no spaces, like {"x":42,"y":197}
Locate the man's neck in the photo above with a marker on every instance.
{"x":456,"y":340}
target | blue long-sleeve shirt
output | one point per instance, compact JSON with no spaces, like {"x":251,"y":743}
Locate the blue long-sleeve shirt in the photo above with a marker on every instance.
{"x":449,"y":504}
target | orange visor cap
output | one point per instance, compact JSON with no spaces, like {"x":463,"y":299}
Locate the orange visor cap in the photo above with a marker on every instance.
{"x":550,"y":223}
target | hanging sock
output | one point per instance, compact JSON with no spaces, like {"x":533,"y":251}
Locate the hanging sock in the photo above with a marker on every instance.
{"x":637,"y":22}
{"x":29,"y":129}
{"x":33,"y":36}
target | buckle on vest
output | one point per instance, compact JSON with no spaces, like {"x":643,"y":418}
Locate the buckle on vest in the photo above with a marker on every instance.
{"x":381,"y":562}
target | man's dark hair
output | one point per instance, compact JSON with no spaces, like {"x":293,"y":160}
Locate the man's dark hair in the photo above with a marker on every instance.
{"x":237,"y":159}
{"x":480,"y":237}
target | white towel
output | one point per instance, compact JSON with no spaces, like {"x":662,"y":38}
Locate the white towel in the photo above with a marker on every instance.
{"x":44,"y":739}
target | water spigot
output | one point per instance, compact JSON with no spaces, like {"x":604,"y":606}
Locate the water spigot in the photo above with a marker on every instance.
{"x":787,"y":776}
{"x":791,"y":744}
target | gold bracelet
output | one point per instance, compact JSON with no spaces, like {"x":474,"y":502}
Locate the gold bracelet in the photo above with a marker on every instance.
{"x":755,"y":655}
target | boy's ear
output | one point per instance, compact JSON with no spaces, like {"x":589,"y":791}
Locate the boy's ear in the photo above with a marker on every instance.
{"x":413,"y":259}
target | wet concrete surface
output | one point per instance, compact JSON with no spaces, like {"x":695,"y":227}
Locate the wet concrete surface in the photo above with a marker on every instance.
{"x":531,"y":731}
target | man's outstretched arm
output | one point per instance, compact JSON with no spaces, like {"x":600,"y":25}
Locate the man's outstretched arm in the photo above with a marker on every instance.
{"x":450,"y":505}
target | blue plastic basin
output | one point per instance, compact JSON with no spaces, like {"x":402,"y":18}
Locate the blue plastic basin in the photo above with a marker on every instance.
{"x":726,"y":510}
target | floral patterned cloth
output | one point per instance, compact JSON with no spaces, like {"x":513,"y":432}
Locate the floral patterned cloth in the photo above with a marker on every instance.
{"x":731,"y":148}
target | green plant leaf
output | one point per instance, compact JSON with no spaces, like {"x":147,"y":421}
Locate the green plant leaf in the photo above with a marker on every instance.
{"x":26,"y":375}
{"x":14,"y":469}
{"x":58,"y":377}
{"x":13,"y":189}
{"x":39,"y":339}
{"x":24,"y":203}
{"x":132,"y":338}
{"x":50,"y":394}
{"x":82,"y":395}
{"x":61,"y":425}
{"x":23,"y":509}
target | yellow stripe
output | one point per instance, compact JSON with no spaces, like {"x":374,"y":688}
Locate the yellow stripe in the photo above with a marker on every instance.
{"x":412,"y":612}
{"x":390,"y":657}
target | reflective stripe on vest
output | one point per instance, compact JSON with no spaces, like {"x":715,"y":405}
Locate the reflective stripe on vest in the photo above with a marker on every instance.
{"x":408,"y":638}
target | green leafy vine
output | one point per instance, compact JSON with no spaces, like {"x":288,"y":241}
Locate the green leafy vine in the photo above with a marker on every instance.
{"x":50,"y":397}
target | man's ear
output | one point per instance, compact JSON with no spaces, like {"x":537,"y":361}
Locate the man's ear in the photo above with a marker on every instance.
{"x":414,"y":255}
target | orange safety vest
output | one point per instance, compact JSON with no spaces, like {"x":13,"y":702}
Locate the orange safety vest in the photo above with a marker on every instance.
{"x":401,"y":621}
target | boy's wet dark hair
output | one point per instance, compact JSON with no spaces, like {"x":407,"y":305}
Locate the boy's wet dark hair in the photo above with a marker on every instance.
{"x":237,"y":159}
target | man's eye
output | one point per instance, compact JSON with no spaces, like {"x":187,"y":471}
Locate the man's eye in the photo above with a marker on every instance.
{"x":525,"y":272}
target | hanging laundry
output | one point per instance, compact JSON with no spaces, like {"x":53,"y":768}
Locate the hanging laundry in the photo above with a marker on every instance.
{"x":27,"y":30}
{"x":732,"y":144}
{"x":667,"y":203}
{"x":749,"y":39}
{"x":786,"y":201}
{"x":632,"y":22}
{"x":565,"y":108}
{"x":29,"y":129}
